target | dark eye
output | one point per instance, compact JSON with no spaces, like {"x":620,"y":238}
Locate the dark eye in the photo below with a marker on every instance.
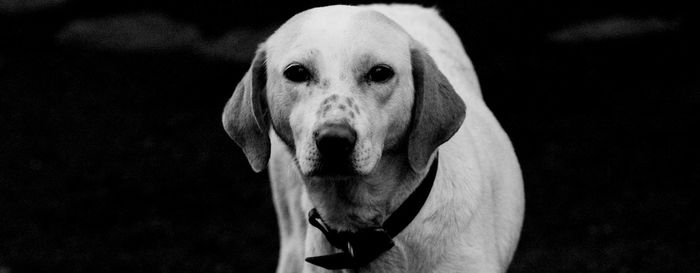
{"x":380,"y":73}
{"x":297,"y":73}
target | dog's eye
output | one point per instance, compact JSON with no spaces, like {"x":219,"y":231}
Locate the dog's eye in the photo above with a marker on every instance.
{"x":297,"y":73}
{"x":380,"y":73}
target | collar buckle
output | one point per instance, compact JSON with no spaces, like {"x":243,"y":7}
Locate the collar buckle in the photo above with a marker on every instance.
{"x":351,"y":251}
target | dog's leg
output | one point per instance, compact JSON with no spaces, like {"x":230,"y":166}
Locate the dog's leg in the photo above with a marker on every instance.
{"x":287,"y":194}
{"x":291,"y":223}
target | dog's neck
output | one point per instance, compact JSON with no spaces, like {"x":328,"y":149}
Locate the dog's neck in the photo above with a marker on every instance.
{"x":366,"y":201}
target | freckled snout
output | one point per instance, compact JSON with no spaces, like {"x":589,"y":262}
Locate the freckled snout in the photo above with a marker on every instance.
{"x":335,"y":140}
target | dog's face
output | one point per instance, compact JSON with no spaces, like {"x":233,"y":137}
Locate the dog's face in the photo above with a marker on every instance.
{"x":339,"y":90}
{"x":359,"y":104}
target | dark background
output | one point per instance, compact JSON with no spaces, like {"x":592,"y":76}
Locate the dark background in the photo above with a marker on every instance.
{"x":113,"y":157}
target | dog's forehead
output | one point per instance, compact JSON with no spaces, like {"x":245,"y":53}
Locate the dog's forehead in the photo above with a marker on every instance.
{"x":343,"y":30}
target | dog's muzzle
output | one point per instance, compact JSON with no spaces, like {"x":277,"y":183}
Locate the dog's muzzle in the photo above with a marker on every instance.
{"x":335,"y":143}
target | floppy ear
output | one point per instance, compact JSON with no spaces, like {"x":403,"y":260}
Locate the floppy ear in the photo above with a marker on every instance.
{"x":245,"y":116}
{"x":438,"y":111}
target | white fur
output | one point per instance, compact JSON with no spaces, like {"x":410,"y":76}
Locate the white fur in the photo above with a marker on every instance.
{"x":472,"y":219}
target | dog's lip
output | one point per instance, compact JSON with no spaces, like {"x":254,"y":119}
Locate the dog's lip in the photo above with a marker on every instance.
{"x":325,"y":171}
{"x":332,"y":167}
{"x":333,"y":172}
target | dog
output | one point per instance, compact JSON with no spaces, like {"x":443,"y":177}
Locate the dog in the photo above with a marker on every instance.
{"x":382,"y":155}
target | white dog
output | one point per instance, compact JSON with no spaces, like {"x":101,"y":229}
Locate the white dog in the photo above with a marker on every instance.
{"x":371,"y":122}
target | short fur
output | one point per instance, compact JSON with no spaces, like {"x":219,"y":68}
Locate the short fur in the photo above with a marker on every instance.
{"x":472,"y":219}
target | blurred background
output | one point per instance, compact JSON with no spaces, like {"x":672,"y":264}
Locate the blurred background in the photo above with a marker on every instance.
{"x":113,"y":157}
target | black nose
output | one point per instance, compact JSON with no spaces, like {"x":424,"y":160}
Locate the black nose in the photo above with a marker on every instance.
{"x":335,"y":140}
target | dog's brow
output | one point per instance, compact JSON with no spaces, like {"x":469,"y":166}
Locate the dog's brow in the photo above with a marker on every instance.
{"x":364,"y":62}
{"x":311,"y":53}
{"x":308,"y":56}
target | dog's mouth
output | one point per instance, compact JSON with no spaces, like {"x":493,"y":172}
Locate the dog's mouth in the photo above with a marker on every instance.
{"x":333,"y":166}
{"x":325,"y":167}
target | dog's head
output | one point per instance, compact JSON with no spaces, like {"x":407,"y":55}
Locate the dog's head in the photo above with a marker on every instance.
{"x":341,"y":86}
{"x":347,"y":90}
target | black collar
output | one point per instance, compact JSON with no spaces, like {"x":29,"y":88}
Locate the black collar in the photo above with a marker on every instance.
{"x":363,"y":246}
